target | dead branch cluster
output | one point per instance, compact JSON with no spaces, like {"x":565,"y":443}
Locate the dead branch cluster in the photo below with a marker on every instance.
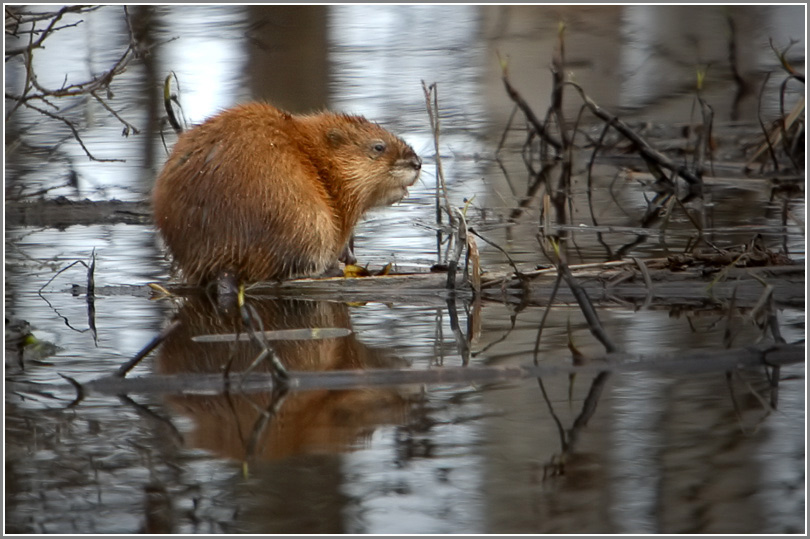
{"x":784,"y":139}
{"x":549,"y":155}
{"x":552,"y":140}
{"x":32,"y":29}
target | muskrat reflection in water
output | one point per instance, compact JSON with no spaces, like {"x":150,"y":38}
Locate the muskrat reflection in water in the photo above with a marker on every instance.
{"x":231,"y":424}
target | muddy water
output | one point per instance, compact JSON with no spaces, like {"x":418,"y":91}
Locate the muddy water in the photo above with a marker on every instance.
{"x":641,"y":452}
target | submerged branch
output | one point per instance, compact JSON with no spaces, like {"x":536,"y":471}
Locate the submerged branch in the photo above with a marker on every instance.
{"x":697,"y":361}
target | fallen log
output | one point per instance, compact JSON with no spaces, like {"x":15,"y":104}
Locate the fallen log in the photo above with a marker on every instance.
{"x":689,"y":362}
{"x":62,"y":212}
{"x":622,"y":282}
{"x":608,"y":283}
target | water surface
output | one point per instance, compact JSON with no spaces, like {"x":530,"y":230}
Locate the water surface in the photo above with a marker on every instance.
{"x":638,"y":452}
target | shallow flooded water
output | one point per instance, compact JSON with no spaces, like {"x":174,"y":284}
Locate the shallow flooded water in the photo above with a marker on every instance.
{"x":639,"y":449}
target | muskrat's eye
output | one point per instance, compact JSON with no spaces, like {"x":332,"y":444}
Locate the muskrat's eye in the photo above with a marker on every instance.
{"x":378,"y":147}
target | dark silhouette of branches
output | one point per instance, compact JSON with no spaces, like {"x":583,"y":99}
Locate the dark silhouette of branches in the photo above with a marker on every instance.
{"x":36,"y":27}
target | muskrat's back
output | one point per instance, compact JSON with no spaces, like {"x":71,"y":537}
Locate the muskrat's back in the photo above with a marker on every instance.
{"x":263,"y":194}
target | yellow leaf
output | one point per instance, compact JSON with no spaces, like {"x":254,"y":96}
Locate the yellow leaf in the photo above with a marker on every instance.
{"x":159,"y":288}
{"x":701,"y":78}
{"x":353,"y":270}
{"x":467,"y":203}
{"x":167,"y":88}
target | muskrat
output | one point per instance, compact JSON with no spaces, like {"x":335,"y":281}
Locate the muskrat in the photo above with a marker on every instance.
{"x":258,"y":193}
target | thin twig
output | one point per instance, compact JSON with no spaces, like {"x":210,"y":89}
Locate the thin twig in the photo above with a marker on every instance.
{"x":591,"y":162}
{"x":441,"y":186}
{"x":474,"y":232}
{"x":159,"y":338}
{"x":771,"y":151}
{"x":75,"y":132}
{"x":535,"y":122}
{"x":251,"y":319}
{"x":128,"y":127}
{"x":649,"y":153}
{"x":647,"y":281}
{"x":585,"y":304}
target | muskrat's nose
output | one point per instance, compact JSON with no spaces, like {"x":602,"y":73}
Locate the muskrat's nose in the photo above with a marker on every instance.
{"x":416,"y":162}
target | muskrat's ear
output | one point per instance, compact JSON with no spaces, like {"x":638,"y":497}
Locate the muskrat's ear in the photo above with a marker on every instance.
{"x":335,"y":137}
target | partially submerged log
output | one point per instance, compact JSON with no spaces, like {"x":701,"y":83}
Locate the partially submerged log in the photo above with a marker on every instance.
{"x":607,"y":283}
{"x":622,"y":282}
{"x":681,"y":362}
{"x":62,"y":212}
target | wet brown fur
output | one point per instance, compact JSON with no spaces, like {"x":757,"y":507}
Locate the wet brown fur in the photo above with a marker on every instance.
{"x":263,"y":194}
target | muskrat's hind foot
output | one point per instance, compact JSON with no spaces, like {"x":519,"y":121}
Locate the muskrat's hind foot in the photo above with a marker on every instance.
{"x":227,"y":291}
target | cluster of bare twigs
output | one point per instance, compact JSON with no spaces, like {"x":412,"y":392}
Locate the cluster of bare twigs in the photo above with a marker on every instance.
{"x":551,"y":145}
{"x":548,"y":153}
{"x":551,"y":142}
{"x":459,"y":236}
{"x":784,"y":144}
{"x":36,"y":28}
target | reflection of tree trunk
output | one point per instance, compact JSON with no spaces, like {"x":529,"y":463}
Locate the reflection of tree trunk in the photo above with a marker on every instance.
{"x":287,"y":56}
{"x":142,"y":21}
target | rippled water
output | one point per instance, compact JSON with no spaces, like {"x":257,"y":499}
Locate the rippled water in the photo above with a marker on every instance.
{"x":659,"y":453}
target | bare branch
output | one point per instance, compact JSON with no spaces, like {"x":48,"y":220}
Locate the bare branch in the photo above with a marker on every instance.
{"x":650,"y":154}
{"x":21,"y":23}
{"x":75,"y":132}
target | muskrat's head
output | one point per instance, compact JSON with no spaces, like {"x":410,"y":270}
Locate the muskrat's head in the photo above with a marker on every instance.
{"x":370,"y":165}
